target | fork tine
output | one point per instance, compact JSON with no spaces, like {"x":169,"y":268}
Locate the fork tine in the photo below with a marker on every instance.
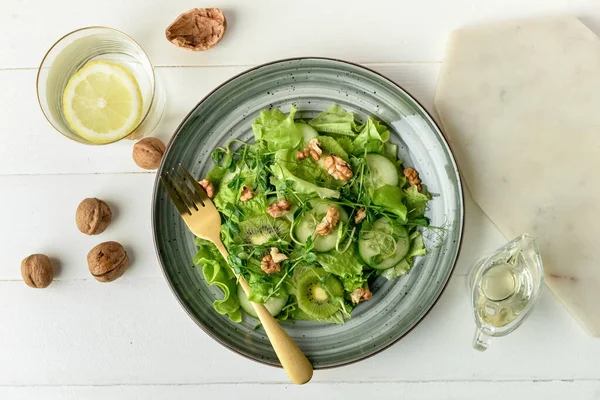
{"x":192,"y":194}
{"x":198,"y":189}
{"x":178,"y":185}
{"x":174,"y":196}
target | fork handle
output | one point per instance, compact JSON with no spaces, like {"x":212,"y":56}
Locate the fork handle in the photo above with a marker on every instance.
{"x":293,"y":361}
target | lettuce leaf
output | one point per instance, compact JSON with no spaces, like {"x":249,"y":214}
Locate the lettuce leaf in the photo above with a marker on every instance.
{"x":345,"y":143}
{"x":217,"y":272}
{"x":351,"y":283}
{"x":226,"y":194}
{"x":417,"y":246}
{"x":255,"y":206}
{"x":335,"y":120}
{"x":306,"y":169}
{"x":283,"y":174}
{"x":277,"y":130}
{"x":371,"y":138}
{"x":390,"y":151}
{"x":400,"y":269}
{"x":347,"y":266}
{"x":229,"y":194}
{"x":331,"y":146}
{"x":390,"y":197}
{"x":341,"y":264}
{"x":416,"y":202}
{"x":215,"y":175}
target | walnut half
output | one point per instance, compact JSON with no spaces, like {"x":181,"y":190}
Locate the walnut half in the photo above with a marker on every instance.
{"x":279,"y":208}
{"x":360,"y":215}
{"x":301,"y":155}
{"x":268,"y":265}
{"x":412,"y":176}
{"x":314,"y":149}
{"x":271,"y":263}
{"x":247,"y":194}
{"x":361,"y":294}
{"x":329,"y":221}
{"x":338,"y":168}
{"x":276,"y":256}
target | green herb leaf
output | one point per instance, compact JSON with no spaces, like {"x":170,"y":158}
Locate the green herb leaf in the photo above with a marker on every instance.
{"x":309,"y":257}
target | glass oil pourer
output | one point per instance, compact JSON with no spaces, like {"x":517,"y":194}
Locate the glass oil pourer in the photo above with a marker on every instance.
{"x":505,"y":286}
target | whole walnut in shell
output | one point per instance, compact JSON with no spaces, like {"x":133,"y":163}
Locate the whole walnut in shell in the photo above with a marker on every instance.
{"x":107,"y":261}
{"x":148,"y":153}
{"x":37,"y":271}
{"x":198,"y":29}
{"x":93,"y":216}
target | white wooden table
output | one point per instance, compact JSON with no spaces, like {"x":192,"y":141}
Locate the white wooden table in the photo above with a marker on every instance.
{"x":81,"y":339}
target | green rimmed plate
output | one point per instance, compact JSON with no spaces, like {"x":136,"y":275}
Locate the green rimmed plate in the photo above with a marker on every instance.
{"x":313,"y":85}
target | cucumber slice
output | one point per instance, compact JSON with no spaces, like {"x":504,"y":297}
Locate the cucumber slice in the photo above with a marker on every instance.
{"x":307,"y":225}
{"x":381,"y":171}
{"x":307,"y":131}
{"x":383,"y":246}
{"x":274,"y":304}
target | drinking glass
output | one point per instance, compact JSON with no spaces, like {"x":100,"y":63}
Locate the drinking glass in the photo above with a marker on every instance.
{"x":71,"y":52}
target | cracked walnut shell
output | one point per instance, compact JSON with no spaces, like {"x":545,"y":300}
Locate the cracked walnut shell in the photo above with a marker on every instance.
{"x":148,"y":153}
{"x":37,"y":271}
{"x":198,"y":29}
{"x":93,"y":216}
{"x":107,"y":261}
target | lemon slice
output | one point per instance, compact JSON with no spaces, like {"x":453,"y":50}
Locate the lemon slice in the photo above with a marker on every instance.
{"x":102,"y":102}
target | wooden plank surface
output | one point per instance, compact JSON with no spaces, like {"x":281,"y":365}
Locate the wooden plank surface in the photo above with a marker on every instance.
{"x":80,"y":339}
{"x":263,"y":30}
{"x":133,"y":331}
{"x":462,"y":390}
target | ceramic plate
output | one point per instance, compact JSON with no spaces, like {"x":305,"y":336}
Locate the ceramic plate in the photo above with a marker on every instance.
{"x":313,"y":85}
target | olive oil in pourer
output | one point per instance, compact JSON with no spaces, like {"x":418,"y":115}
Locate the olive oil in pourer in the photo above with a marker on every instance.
{"x":504,"y":288}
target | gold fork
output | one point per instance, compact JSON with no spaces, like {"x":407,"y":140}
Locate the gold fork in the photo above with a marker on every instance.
{"x":203,"y":219}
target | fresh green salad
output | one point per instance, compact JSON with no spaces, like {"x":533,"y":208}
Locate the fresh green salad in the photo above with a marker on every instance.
{"x":311,"y":213}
